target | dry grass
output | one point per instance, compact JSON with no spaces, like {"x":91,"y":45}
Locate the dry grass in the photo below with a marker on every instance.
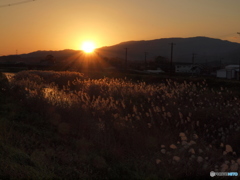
{"x":181,"y":128}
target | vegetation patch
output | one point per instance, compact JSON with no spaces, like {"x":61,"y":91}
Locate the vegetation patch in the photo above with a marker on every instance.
{"x":65,"y":125}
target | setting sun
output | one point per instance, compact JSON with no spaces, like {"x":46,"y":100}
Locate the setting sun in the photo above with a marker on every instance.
{"x":88,"y":46}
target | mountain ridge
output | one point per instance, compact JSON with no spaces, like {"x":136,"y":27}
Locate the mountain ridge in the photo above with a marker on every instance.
{"x":206,"y":49}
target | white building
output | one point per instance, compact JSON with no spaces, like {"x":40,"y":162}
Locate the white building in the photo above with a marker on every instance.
{"x":221,"y":73}
{"x":230,"y":72}
{"x":188,"y":68}
{"x":158,"y":71}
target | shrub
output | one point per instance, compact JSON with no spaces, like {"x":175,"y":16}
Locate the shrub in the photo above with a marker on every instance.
{"x":3,"y":82}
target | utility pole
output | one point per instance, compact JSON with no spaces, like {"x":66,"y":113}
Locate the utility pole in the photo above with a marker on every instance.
{"x":221,"y":62}
{"x":171,"y":63}
{"x":126,"y":53}
{"x":238,"y":64}
{"x":193,"y":58}
{"x":145,"y":59}
{"x":239,"y":69}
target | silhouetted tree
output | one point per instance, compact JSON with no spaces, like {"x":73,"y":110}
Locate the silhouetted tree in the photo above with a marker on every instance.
{"x":160,"y":60}
{"x":50,"y":58}
{"x":163,"y":63}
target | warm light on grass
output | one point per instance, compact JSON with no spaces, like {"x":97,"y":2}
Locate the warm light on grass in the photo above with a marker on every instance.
{"x":88,"y":47}
{"x":193,"y":117}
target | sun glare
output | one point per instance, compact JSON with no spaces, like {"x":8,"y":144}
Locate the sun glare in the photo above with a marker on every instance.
{"x":88,"y":46}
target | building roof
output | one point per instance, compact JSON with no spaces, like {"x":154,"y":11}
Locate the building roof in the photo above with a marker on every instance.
{"x":179,"y":63}
{"x":221,"y":70}
{"x":232,"y":67}
{"x":155,"y":71}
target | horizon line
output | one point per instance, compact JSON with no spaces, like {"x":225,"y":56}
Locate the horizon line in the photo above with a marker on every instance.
{"x":125,"y":42}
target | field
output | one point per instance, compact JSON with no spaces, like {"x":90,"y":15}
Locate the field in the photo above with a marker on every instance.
{"x":65,"y":125}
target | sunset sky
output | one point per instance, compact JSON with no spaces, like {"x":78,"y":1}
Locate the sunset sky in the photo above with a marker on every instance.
{"x":66,"y":24}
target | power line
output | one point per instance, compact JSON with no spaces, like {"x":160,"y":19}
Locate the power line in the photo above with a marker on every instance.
{"x":171,"y":63}
{"x":225,"y":35}
{"x":145,"y":59}
{"x":126,"y":54}
{"x":17,"y":3}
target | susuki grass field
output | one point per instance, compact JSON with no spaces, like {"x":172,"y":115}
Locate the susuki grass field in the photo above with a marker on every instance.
{"x":65,"y":125}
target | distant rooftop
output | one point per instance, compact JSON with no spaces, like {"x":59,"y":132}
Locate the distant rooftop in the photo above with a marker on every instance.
{"x":232,"y":66}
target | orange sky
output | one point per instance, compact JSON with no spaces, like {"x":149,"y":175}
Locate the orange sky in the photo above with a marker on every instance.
{"x":65,"y":24}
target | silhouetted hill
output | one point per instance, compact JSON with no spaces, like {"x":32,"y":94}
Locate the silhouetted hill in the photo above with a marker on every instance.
{"x":66,"y":52}
{"x":206,"y":49}
{"x":37,"y":56}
